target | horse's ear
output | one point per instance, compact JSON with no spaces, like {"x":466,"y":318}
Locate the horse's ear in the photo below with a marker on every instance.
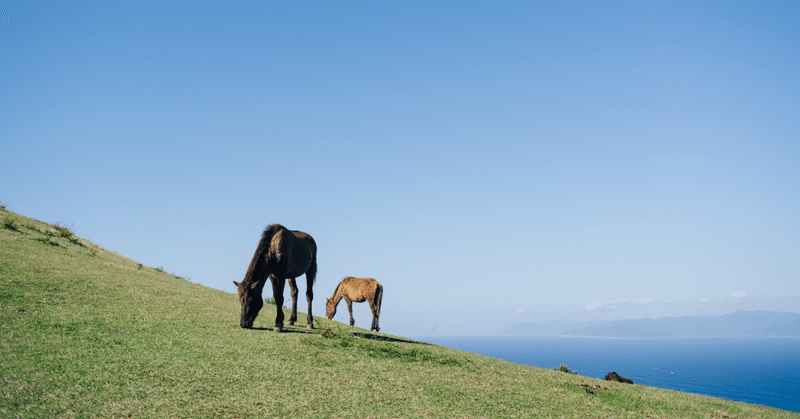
{"x":236,"y":283}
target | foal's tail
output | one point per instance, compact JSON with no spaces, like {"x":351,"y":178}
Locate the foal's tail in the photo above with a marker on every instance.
{"x":379,"y":299}
{"x":377,"y":302}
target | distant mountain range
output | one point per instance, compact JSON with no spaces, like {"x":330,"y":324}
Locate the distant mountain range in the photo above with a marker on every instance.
{"x":740,"y":323}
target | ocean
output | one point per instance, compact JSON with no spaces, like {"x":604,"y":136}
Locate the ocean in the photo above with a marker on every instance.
{"x":758,"y":370}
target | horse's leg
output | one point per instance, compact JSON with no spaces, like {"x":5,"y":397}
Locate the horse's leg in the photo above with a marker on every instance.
{"x":294,"y":292}
{"x":278,"y":284}
{"x":310,"y":297}
{"x":350,"y":309}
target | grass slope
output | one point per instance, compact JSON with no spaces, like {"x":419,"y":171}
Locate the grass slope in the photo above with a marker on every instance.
{"x":89,"y":333}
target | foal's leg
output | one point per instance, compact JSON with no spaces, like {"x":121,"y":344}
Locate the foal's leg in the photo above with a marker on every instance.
{"x":375,"y":315}
{"x":350,"y":309}
{"x":294,"y":292}
{"x":372,"y":309}
{"x":277,"y":292}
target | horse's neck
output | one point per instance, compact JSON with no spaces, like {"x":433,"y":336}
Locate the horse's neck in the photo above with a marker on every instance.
{"x":258,"y":271}
{"x":337,"y":296}
{"x":256,"y":276}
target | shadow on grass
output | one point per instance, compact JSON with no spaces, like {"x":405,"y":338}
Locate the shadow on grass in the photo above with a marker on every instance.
{"x":317,"y":331}
{"x":387,"y":338}
{"x":286,"y":330}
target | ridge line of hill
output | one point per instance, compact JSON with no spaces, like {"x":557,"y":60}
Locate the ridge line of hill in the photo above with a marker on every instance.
{"x":87,"y":332}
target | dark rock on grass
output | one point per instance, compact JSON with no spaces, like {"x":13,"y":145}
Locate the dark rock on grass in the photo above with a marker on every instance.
{"x":612,"y":376}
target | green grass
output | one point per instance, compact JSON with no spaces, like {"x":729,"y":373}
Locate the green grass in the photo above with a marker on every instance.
{"x":10,"y":222}
{"x":88,"y":333}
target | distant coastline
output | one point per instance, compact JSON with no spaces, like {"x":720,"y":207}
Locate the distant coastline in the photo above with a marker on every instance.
{"x":738,"y":324}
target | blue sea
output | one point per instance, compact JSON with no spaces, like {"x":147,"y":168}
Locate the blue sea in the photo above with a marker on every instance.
{"x":758,"y":370}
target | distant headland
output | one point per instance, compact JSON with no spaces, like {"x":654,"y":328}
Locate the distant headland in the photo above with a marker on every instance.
{"x":736,"y":324}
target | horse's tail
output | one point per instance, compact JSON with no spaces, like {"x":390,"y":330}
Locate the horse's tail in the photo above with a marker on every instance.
{"x":259,"y":265}
{"x":313,"y":267}
{"x":379,"y":298}
{"x":312,"y":270}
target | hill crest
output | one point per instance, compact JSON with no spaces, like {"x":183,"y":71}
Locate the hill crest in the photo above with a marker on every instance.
{"x":88,"y":332}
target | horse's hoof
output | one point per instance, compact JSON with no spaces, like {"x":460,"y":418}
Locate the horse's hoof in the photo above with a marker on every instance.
{"x":277,"y":329}
{"x":291,"y":322}
{"x":310,"y":326}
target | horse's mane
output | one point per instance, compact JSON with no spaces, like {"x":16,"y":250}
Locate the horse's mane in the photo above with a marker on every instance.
{"x":259,"y":263}
{"x":336,"y":291}
{"x":269,"y":232}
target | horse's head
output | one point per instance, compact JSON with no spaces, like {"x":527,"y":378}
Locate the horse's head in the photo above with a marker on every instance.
{"x":250,"y":297}
{"x":330,"y":308}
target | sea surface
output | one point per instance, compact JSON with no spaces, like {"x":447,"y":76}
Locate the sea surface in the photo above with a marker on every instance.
{"x":758,"y":370}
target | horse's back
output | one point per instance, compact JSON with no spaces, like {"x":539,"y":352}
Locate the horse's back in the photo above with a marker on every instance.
{"x":294,"y":250}
{"x":360,"y":289}
{"x":305,"y":238}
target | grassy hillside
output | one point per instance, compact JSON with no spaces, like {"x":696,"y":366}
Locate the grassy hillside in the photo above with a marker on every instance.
{"x":89,"y":333}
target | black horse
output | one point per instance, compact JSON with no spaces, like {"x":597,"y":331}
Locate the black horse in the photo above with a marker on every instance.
{"x":281,"y":254}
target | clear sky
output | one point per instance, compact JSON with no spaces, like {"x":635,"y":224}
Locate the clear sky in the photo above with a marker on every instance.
{"x":489,"y":163}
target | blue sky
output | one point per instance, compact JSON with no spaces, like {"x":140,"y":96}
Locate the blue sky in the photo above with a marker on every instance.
{"x":488,"y":163}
